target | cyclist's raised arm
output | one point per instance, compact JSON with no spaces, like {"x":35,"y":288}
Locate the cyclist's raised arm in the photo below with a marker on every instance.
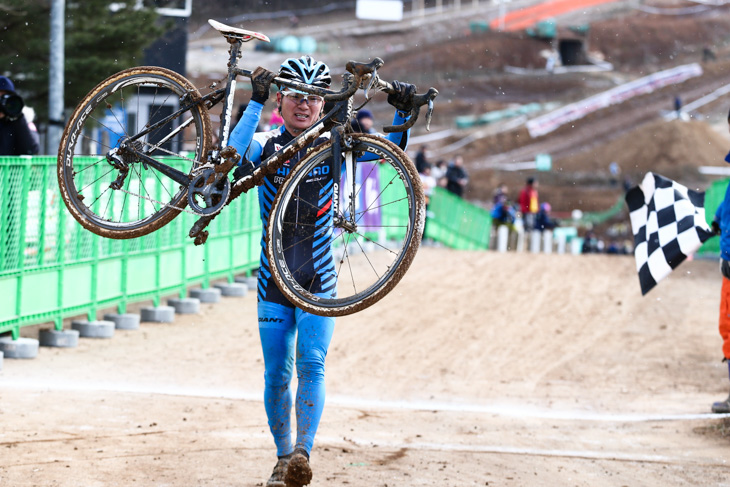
{"x":402,"y":99}
{"x":400,"y":138}
{"x":243,"y":132}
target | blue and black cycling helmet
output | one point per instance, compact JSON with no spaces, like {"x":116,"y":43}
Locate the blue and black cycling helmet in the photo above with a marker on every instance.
{"x":306,"y":70}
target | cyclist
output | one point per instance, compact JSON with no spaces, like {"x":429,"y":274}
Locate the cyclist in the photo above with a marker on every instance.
{"x":286,"y":331}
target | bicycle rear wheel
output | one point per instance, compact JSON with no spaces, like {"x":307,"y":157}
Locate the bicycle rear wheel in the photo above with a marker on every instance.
{"x":334,"y":269}
{"x":122,"y":111}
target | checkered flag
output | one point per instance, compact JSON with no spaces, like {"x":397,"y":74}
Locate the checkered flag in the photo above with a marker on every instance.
{"x":668,"y":221}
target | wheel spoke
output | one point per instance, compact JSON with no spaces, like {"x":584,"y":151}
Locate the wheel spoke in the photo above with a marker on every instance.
{"x":135,"y":99}
{"x":370,"y":251}
{"x":364,"y":254}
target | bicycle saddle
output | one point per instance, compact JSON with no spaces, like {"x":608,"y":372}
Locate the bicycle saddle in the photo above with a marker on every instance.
{"x":244,"y":35}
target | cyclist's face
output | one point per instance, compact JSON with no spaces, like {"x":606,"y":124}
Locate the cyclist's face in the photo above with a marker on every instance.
{"x":299,"y":111}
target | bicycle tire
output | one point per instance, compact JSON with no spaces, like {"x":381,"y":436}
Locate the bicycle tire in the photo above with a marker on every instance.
{"x":118,"y":107}
{"x":393,"y":246}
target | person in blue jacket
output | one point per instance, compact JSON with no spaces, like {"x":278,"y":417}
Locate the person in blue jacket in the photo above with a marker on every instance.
{"x":721,"y":226}
{"x":543,"y":220}
{"x":285,"y":331}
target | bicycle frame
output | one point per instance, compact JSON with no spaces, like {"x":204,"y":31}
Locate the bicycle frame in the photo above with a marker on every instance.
{"x":228,"y":93}
{"x":336,"y":121}
{"x":321,"y":191}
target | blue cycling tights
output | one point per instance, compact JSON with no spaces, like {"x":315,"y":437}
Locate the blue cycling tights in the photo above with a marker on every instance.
{"x":286,"y":333}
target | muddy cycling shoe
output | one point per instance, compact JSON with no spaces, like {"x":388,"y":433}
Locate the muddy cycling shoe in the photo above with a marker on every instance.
{"x":277,"y":476}
{"x":722,"y":406}
{"x":298,"y":473}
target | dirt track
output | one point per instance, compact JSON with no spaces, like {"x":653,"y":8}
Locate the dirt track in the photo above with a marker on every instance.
{"x":479,"y":369}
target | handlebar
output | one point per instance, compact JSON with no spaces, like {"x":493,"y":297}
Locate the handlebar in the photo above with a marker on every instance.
{"x":418,"y":101}
{"x":364,"y":72}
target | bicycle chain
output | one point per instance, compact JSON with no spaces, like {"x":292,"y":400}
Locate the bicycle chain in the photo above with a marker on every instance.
{"x":168,"y":205}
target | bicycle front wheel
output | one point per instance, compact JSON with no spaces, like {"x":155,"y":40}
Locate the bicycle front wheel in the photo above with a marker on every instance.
{"x":334,"y":264}
{"x":131,"y":112}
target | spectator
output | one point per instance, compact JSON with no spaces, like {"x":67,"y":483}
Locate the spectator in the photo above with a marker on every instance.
{"x":275,"y":120}
{"x":16,"y":137}
{"x":615,"y":171}
{"x":503,"y":212}
{"x":456,"y":177}
{"x":615,"y":248}
{"x":499,"y":193}
{"x":590,"y":244}
{"x":721,"y":226}
{"x":438,"y":171}
{"x":529,"y":203}
{"x":364,"y":122}
{"x":543,"y":220}
{"x":627,"y":184}
{"x":428,"y":182}
{"x":30,"y":118}
{"x":421,"y":159}
{"x":678,"y":106}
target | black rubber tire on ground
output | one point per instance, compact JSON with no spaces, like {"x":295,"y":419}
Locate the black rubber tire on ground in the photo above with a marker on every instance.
{"x":109,"y":111}
{"x":403,"y":183}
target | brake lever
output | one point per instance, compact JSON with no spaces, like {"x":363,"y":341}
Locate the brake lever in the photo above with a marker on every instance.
{"x":427,"y":99}
{"x":418,"y":102}
{"x":429,"y":113}
{"x":371,"y":82}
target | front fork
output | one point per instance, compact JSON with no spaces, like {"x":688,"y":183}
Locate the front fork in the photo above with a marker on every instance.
{"x":339,"y":142}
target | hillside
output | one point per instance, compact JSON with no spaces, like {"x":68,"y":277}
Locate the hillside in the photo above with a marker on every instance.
{"x":468,"y":68}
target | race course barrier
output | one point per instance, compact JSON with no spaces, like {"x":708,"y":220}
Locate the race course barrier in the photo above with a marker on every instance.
{"x":457,"y":223}
{"x":550,"y":121}
{"x":52,"y":268}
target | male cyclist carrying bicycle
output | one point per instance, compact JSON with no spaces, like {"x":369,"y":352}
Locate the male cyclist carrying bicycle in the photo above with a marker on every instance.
{"x":286,"y":331}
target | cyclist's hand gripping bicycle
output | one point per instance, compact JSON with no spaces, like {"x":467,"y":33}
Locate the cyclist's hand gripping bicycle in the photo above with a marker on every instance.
{"x":137,"y":150}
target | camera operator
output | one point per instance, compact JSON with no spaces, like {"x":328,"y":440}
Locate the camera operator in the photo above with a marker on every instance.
{"x":15,"y":136}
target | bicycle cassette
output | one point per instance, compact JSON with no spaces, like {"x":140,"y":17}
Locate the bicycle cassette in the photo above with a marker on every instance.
{"x":208,"y":192}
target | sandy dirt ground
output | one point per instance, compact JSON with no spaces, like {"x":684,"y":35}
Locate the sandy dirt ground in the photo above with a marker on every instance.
{"x":478,"y":369}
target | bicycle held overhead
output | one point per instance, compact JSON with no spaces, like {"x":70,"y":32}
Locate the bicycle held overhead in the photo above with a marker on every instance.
{"x":138,"y":150}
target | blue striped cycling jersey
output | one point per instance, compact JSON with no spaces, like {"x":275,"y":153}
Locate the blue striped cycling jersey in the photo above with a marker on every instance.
{"x":308,"y":249}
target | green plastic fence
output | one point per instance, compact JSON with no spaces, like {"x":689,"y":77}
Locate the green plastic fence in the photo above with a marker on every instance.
{"x":457,"y":223}
{"x":450,"y":220}
{"x":52,"y":268}
{"x":598,"y":217}
{"x":713,"y":197}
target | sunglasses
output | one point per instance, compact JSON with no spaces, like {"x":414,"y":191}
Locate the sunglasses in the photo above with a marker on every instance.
{"x":298,"y":98}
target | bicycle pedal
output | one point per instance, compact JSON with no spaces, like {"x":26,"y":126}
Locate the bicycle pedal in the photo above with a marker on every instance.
{"x":198,"y":226}
{"x":201,"y":238}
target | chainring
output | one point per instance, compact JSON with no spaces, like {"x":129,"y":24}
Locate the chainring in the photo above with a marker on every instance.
{"x":208,"y":198}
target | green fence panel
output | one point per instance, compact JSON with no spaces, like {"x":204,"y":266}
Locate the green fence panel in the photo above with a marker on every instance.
{"x":52,"y":268}
{"x":713,"y":197}
{"x":450,"y":220}
{"x":457,"y":223}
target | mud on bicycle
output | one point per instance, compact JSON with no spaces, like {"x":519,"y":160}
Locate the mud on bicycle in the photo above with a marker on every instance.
{"x":138,"y":150}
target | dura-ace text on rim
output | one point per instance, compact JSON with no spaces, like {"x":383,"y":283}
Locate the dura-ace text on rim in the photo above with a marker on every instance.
{"x":120,"y":118}
{"x":375,"y":247}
